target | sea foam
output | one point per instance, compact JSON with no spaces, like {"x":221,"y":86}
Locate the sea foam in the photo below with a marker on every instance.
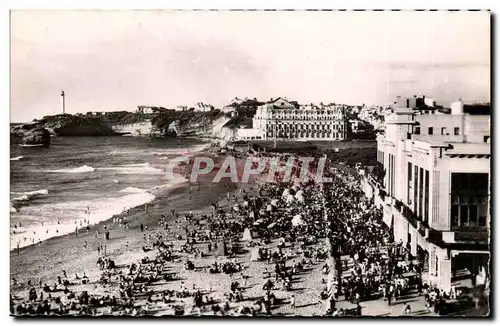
{"x":142,"y":168}
{"x":132,"y":190}
{"x":30,"y":194}
{"x":100,"y":210}
{"x":80,"y":169}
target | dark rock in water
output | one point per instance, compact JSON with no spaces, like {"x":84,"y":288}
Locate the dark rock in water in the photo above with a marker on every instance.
{"x":30,"y":134}
{"x":37,"y":136}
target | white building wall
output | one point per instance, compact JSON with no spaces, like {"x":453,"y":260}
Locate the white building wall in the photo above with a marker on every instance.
{"x":326,"y":123}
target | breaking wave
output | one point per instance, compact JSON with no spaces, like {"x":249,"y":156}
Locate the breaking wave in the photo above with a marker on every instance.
{"x":100,"y":210}
{"x":80,"y":169}
{"x":132,"y":190}
{"x":30,"y":194}
{"x":143,"y":168}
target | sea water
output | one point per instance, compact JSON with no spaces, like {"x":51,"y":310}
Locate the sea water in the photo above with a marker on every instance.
{"x":82,"y":179}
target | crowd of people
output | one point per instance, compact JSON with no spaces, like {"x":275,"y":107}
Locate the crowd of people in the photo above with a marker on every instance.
{"x":293,"y":229}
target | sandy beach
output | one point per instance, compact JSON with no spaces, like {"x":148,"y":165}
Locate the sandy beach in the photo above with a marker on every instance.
{"x":177,"y":270}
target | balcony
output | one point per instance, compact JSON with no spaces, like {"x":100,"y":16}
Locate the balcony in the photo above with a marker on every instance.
{"x":458,"y":237}
{"x":480,"y":237}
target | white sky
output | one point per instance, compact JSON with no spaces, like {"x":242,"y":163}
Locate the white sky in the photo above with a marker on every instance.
{"x":115,"y":60}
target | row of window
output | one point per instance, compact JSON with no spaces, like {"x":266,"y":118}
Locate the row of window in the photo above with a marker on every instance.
{"x":391,"y":176}
{"x":306,"y":127}
{"x":418,"y":191}
{"x":305,"y":135}
{"x":430,"y":131}
{"x":469,"y":200}
{"x":305,"y":111}
{"x":301,"y":118}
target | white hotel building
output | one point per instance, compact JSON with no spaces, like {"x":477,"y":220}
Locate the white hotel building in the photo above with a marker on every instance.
{"x":281,"y":119}
{"x":435,"y":193}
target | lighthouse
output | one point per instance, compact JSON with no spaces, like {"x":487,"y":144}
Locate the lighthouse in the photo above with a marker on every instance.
{"x":63,"y":102}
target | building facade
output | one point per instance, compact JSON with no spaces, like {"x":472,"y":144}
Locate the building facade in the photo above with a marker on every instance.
{"x":284,"y":120}
{"x":248,"y":134}
{"x":435,"y":190}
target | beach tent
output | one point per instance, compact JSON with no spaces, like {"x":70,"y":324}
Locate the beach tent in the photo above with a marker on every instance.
{"x":299,"y":193}
{"x":247,"y":235}
{"x":255,"y":254}
{"x":285,"y":194}
{"x":221,"y":249}
{"x":274,"y":202}
{"x":297,"y":220}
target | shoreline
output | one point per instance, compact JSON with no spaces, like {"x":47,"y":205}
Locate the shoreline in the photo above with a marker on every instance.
{"x":159,"y":192}
{"x":165,"y":200}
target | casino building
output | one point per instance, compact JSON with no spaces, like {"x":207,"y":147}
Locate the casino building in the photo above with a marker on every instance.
{"x":434,"y":186}
{"x":281,"y":119}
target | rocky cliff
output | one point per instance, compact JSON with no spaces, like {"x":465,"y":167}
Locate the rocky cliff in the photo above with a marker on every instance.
{"x":213,"y":124}
{"x":30,"y":134}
